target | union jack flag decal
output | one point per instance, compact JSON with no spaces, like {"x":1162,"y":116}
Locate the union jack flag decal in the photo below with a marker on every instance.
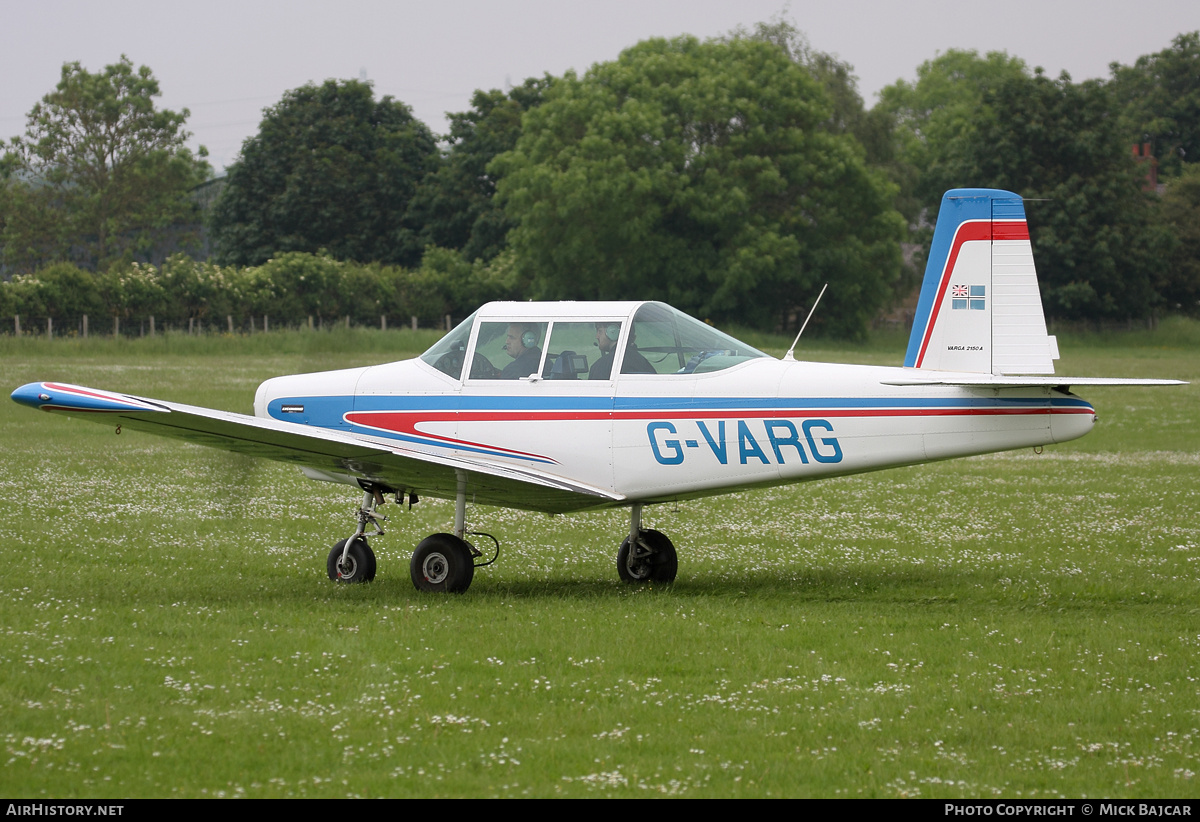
{"x":971,"y":297}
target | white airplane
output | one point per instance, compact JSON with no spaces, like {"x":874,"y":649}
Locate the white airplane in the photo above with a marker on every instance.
{"x":574,"y":406}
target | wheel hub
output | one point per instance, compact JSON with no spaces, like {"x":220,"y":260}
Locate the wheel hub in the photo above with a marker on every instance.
{"x":435,"y":568}
{"x":639,"y":567}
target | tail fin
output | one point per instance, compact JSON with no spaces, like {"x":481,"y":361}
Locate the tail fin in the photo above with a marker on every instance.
{"x":980,"y":309}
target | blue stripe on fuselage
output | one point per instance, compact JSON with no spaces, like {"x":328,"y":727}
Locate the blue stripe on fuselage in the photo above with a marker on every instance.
{"x":328,"y":412}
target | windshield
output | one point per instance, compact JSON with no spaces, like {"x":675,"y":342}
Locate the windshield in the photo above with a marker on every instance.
{"x":662,"y":341}
{"x":450,"y":352}
{"x":670,"y":342}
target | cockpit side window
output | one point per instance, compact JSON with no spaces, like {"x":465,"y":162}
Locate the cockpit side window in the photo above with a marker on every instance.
{"x":508,"y":350}
{"x":582,"y":350}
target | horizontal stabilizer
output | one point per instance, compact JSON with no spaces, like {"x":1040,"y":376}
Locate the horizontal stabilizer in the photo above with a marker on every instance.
{"x":1017,"y":382}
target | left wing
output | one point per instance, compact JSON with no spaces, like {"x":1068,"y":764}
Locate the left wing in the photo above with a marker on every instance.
{"x":323,"y":452}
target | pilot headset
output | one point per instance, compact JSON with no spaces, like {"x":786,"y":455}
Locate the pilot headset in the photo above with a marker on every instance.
{"x":528,"y":339}
{"x":612,"y":331}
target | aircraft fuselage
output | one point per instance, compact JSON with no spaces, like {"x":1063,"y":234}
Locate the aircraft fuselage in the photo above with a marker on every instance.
{"x":653,"y":437}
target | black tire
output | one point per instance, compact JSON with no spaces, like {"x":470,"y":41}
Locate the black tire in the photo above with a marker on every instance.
{"x":660,"y":566}
{"x":442,"y":564}
{"x":359,"y":565}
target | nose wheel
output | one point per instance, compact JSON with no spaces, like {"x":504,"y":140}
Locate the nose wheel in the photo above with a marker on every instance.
{"x":355,"y":564}
{"x":651,"y":559}
{"x":646,"y":555}
{"x":352,"y":560}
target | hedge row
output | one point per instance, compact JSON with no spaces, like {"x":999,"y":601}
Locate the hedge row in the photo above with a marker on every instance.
{"x":289,"y":289}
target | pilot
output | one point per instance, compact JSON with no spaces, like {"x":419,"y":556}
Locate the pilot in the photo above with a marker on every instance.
{"x":521,"y":345}
{"x":606,"y":341}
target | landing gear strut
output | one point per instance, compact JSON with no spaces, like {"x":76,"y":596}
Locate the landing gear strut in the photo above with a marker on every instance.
{"x":442,"y":563}
{"x":352,"y":560}
{"x":646,"y":555}
{"x":445,"y":563}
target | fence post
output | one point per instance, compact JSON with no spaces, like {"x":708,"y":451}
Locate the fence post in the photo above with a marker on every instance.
{"x":414,"y":322}
{"x":251,"y":323}
{"x":383,"y":322}
{"x":85,"y":326}
{"x":447,"y":322}
{"x":116,"y":325}
{"x":151,"y":325}
{"x":17,"y":323}
{"x":49,"y":328}
{"x":265,"y":326}
{"x":229,"y":322}
{"x":310,"y":322}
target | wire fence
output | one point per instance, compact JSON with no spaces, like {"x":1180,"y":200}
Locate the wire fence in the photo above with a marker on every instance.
{"x":85,"y":326}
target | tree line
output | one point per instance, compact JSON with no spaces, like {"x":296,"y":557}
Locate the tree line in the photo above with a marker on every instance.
{"x":293,"y":289}
{"x":730,"y":177}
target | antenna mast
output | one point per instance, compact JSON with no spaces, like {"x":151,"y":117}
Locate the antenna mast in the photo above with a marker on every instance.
{"x":788,"y":357}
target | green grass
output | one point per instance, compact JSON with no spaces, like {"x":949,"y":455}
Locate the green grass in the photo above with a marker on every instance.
{"x":1013,"y":625}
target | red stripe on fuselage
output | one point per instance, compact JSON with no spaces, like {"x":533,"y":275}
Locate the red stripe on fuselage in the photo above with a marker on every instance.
{"x":406,"y":422}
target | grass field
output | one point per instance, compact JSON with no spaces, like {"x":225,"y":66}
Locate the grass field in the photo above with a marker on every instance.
{"x":1015,"y":625}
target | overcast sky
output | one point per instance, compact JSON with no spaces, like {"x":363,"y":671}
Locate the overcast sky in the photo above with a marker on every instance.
{"x":225,"y":61}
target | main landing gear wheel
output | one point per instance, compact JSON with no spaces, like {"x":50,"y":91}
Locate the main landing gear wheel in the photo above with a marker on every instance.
{"x":358,"y":565}
{"x":652,"y":560}
{"x":442,"y":563}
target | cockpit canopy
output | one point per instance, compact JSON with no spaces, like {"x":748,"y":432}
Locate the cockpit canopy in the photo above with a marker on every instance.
{"x":583,"y":341}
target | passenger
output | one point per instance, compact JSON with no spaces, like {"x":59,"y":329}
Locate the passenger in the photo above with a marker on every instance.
{"x":521,"y":345}
{"x":606,"y":340}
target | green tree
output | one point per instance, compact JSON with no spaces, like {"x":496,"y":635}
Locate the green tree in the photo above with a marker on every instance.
{"x":873,"y":128}
{"x":455,"y":205}
{"x":936,"y":119}
{"x":330,"y":168}
{"x":310,"y":285}
{"x":1179,"y":282}
{"x":200,"y":291}
{"x":1100,"y":247}
{"x":61,"y":291}
{"x":1159,"y":101}
{"x":847,"y":114}
{"x":99,"y":171}
{"x":699,"y":173}
{"x":133,"y":291}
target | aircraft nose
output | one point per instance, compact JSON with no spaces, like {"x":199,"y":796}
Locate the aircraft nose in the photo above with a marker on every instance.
{"x":34,"y":395}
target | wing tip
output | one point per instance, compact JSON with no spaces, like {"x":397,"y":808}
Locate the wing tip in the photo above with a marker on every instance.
{"x":56,"y":396}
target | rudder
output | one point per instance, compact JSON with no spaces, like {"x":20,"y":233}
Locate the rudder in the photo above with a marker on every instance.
{"x":980,"y":309}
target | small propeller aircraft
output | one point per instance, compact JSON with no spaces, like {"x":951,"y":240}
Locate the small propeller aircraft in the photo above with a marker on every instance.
{"x":574,"y":406}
